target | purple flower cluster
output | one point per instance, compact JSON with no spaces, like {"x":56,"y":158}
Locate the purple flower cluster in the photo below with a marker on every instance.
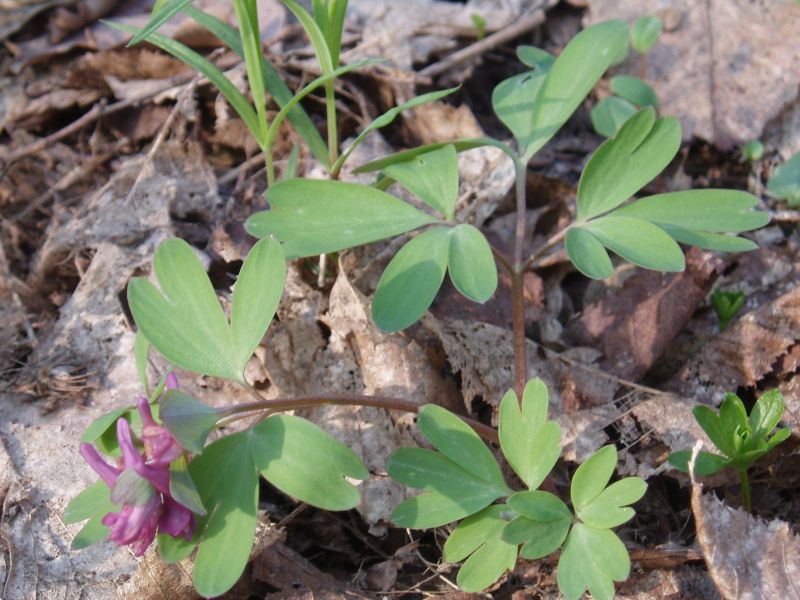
{"x":137,"y":525}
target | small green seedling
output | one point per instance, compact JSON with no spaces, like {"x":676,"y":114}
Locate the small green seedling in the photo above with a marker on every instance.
{"x":785,"y":181}
{"x":462,"y":480}
{"x":630,"y":94}
{"x":753,"y":151}
{"x":726,"y":305}
{"x":480,"y":25}
{"x":740,"y":438}
{"x":644,"y":33}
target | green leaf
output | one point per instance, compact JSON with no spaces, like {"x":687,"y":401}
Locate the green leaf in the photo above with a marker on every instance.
{"x":250,"y":35}
{"x":169,"y":9}
{"x":705,"y":464}
{"x":543,"y":523}
{"x":185,"y":54}
{"x":780,"y":436}
{"x":141,"y":351}
{"x":255,"y":297}
{"x":91,"y":533}
{"x":314,"y":33}
{"x":452,"y":492}
{"x":182,"y":487}
{"x":732,"y":416}
{"x":460,"y":145}
{"x":432,"y":177}
{"x":714,"y":211}
{"x":591,"y":477}
{"x":514,"y":100}
{"x":131,"y":489}
{"x":644,"y":32}
{"x":227,"y":481}
{"x":530,"y":443}
{"x":572,"y":76}
{"x":102,"y":424}
{"x":708,"y":420}
{"x":185,"y":323}
{"x":634,"y":90}
{"x":305,"y":462}
{"x":314,"y":217}
{"x":726,"y":305}
{"x":272,"y":80}
{"x":471,"y":263}
{"x":753,"y":150}
{"x":710,"y":241}
{"x":175,"y":549}
{"x":188,"y":420}
{"x":594,"y":559}
{"x":92,"y":501}
{"x":588,"y":254}
{"x":458,"y":441}
{"x":479,"y":537}
{"x":534,"y":57}
{"x":610,"y":114}
{"x":411,"y":280}
{"x":388,"y":117}
{"x":611,"y":508}
{"x":622,"y":165}
{"x":639,"y":242}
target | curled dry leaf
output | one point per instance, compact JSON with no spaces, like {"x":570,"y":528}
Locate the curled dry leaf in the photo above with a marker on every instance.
{"x":748,"y":558}
{"x":724,"y":69}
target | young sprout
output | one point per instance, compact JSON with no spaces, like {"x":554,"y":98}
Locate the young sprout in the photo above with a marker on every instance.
{"x":480,"y":25}
{"x":740,"y":438}
{"x":643,"y":34}
{"x":785,"y":181}
{"x":726,"y":305}
{"x":753,"y":151}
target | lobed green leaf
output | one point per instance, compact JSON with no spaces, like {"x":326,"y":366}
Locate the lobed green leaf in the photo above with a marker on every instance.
{"x":591,"y":478}
{"x":644,"y":32}
{"x":610,"y":114}
{"x":634,"y":90}
{"x":594,"y":559}
{"x":432,"y":177}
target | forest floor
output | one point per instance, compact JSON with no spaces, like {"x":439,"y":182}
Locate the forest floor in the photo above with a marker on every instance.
{"x":105,"y":151}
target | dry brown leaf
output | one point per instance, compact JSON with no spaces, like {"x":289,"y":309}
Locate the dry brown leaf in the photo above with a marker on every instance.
{"x":683,"y":582}
{"x":748,"y":558}
{"x":725,"y":68}
{"x":14,"y":14}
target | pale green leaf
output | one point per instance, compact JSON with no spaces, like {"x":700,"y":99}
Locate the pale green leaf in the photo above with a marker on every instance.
{"x":710,"y":241}
{"x":255,"y":297}
{"x":611,"y":507}
{"x":514,"y":100}
{"x":644,"y":32}
{"x":410,"y":282}
{"x":634,"y":90}
{"x":594,"y":559}
{"x":784,"y":183}
{"x":141,"y":351}
{"x":541,"y":506}
{"x":188,"y":420}
{"x":460,"y":145}
{"x":175,"y":549}
{"x":227,"y":481}
{"x":432,"y":177}
{"x":588,"y":254}
{"x":540,"y":538}
{"x":591,"y":478}
{"x":622,"y":165}
{"x":91,"y":501}
{"x":639,"y":242}
{"x":572,"y":76}
{"x":185,"y":323}
{"x":534,"y":57}
{"x":314,"y":33}
{"x":610,"y":114}
{"x":182,"y":487}
{"x":305,"y":462}
{"x":471,"y":263}
{"x":766,"y":413}
{"x":530,"y":443}
{"x":312,"y":216}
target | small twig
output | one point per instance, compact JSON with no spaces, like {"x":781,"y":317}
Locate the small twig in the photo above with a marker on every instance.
{"x":513,"y":30}
{"x":518,"y":284}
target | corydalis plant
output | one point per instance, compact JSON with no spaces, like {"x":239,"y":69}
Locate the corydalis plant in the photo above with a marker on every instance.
{"x":740,"y":438}
{"x":461,"y":480}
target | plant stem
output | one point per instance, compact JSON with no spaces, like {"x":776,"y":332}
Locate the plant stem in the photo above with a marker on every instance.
{"x":642,"y":66}
{"x":284,"y":404}
{"x":330,"y":118}
{"x":517,"y":284}
{"x":270,"y":167}
{"x":544,"y":249}
{"x":746,"y":497}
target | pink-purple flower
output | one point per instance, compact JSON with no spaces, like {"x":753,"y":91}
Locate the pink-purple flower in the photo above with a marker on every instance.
{"x":156,"y":511}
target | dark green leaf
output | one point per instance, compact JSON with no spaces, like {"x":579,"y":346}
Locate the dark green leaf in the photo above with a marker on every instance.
{"x":644,"y":32}
{"x":471,"y":263}
{"x":571,"y":77}
{"x":169,"y":9}
{"x":780,"y":436}
{"x":708,"y":420}
{"x":182,"y":487}
{"x":610,"y":114}
{"x":732,"y":416}
{"x":305,"y":462}
{"x":541,"y":506}
{"x":432,"y":177}
{"x":639,"y":242}
{"x":255,"y":297}
{"x":188,"y":420}
{"x":175,"y":549}
{"x":534,"y":57}
{"x":91,"y":533}
{"x":411,"y":280}
{"x":594,"y":559}
{"x":452,"y":492}
{"x":753,"y":150}
{"x":541,"y":538}
{"x":227,"y":481}
{"x":530,"y":443}
{"x":91,"y":501}
{"x":103,"y":424}
{"x":314,"y":217}
{"x":588,"y":254}
{"x":622,"y":165}
{"x":634,"y":90}
{"x":705,"y":464}
{"x":766,"y":414}
{"x":480,"y":536}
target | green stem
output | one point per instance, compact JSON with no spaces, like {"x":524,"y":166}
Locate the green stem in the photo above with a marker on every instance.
{"x":330,"y":117}
{"x":517,"y":284}
{"x":746,"y":497}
